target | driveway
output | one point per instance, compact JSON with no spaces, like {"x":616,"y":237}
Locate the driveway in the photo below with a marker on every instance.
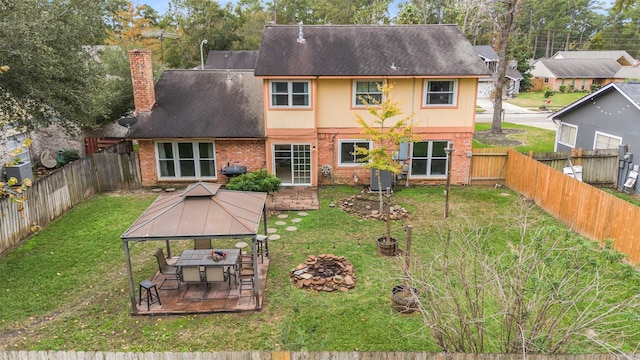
{"x":516,"y":115}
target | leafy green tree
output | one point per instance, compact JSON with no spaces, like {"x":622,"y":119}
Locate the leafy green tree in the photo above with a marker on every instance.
{"x":386,"y":138}
{"x":52,"y":77}
{"x":332,"y":12}
{"x":198,"y":20}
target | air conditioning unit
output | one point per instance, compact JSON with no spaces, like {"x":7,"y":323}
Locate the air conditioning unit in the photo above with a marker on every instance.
{"x":386,"y":180}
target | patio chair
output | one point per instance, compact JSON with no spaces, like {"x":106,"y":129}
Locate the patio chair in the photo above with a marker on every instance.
{"x":190,"y":275}
{"x":170,"y":271}
{"x":246,"y":278}
{"x":216,"y":274}
{"x":202,"y":244}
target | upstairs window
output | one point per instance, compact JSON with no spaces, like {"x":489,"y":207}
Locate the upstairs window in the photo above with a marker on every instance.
{"x":290,"y":94}
{"x":440,"y":93}
{"x":369,"y":91}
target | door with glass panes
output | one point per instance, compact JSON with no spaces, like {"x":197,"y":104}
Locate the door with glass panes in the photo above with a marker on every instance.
{"x":292,"y":163}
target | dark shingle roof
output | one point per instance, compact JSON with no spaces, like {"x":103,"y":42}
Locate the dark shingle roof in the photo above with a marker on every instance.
{"x":367,"y":50}
{"x":631,"y":90}
{"x":204,"y":104}
{"x":620,"y":56}
{"x":581,"y":68}
{"x":231,"y":60}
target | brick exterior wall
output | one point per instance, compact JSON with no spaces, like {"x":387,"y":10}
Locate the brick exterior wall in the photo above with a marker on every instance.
{"x":249,"y":153}
{"x":328,"y":155}
{"x":144,"y":96}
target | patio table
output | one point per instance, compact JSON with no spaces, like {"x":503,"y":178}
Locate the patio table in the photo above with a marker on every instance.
{"x":203,"y":258}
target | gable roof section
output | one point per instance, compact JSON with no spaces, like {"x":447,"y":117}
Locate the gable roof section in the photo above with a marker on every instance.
{"x":204,"y":104}
{"x":580,"y":68}
{"x":367,"y":50}
{"x":231,"y":60}
{"x":631,"y":91}
{"x":621,"y":56}
{"x":486,"y":52}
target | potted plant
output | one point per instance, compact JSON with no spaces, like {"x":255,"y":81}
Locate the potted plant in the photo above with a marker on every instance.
{"x":386,"y":142}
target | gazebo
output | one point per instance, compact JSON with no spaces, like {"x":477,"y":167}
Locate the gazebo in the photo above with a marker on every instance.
{"x":201,"y":211}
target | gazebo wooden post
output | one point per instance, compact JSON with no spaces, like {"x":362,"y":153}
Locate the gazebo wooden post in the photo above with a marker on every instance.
{"x":132,"y":290}
{"x":264,"y":217}
{"x":168,"y":249}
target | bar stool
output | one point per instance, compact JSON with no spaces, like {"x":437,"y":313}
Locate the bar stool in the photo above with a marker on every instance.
{"x":244,"y":258}
{"x":150,"y":297}
{"x":262,"y":244}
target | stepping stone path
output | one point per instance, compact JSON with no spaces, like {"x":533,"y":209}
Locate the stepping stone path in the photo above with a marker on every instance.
{"x":281,"y":223}
{"x":274,"y":237}
{"x":282,"y":216}
{"x":271,"y":230}
{"x":302,"y":213}
{"x":291,"y":228}
{"x":296,"y":220}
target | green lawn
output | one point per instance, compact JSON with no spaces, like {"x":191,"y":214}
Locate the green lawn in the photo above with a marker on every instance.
{"x":66,"y":287}
{"x":535,"y":99}
{"x":534,"y":139}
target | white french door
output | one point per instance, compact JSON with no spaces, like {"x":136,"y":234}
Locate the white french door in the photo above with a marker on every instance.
{"x":292,"y":163}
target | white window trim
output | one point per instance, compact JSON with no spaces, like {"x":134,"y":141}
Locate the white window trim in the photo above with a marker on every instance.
{"x":595,"y":136}
{"x":454,"y":100}
{"x":354,"y":101}
{"x":290,"y":94}
{"x":574,"y":139}
{"x":176,"y":160}
{"x":354,"y":164}
{"x":424,"y":176}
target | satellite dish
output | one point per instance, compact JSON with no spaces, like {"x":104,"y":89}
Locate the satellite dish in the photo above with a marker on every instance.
{"x":47,"y":160}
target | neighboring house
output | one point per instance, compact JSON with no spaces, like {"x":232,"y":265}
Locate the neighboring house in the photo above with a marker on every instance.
{"x":487,"y":85}
{"x":578,"y":70}
{"x":605,"y":119}
{"x":296,"y":116}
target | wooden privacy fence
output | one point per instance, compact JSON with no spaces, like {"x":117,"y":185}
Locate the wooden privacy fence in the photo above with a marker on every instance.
{"x":589,"y":211}
{"x":291,"y":355}
{"x":53,"y":195}
{"x":599,"y":167}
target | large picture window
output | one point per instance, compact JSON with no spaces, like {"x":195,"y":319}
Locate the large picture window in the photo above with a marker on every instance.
{"x":429,"y":159}
{"x":440,"y":92}
{"x":186,"y":160}
{"x":369,"y":91}
{"x":568,"y":135}
{"x":347,"y":151}
{"x":290,"y":94}
{"x":606,"y":141}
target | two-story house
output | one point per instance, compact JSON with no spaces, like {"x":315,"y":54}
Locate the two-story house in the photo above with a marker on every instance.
{"x":308,"y":83}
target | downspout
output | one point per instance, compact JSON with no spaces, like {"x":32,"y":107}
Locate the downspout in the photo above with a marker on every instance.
{"x":413,"y":104}
{"x":333,"y":156}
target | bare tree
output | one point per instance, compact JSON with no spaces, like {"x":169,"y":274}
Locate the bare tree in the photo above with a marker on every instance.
{"x":541,"y":293}
{"x":505,"y":13}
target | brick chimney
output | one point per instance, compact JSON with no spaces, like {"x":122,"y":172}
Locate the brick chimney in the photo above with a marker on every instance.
{"x":144,"y":95}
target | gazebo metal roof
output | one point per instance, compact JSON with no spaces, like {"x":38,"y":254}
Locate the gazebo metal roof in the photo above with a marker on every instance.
{"x":201,"y":211}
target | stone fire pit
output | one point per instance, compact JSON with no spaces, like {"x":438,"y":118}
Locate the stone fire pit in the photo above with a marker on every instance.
{"x":325,"y":272}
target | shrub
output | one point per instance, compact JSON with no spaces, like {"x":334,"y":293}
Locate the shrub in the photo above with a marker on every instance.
{"x":548,"y":93}
{"x":562,"y":88}
{"x":594,"y":87}
{"x":67,"y":156}
{"x":259,"y":180}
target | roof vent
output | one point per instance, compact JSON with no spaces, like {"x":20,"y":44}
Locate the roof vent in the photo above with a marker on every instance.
{"x":300,"y":34}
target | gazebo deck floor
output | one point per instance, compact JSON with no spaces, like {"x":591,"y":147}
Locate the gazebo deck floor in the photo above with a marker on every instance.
{"x":192,"y":301}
